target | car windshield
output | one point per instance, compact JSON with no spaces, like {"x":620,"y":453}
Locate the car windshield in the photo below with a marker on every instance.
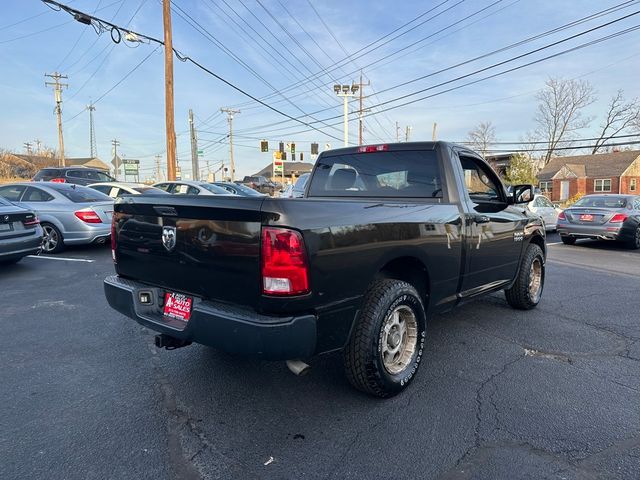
{"x":149,"y":190}
{"x":215,"y":189}
{"x":247,"y":190}
{"x":601,"y":202}
{"x":78,"y":194}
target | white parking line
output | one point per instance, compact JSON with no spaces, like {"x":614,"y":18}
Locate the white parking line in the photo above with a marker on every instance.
{"x":554,"y":243}
{"x":65,"y":259}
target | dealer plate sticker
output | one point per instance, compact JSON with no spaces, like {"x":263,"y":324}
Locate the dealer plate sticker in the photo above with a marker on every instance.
{"x":177,"y":306}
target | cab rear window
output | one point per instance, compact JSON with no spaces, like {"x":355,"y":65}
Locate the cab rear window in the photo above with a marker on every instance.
{"x":385,"y":174}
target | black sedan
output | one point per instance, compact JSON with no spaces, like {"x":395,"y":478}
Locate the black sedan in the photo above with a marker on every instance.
{"x":239,"y":189}
{"x":604,"y":217}
{"x":20,"y":232}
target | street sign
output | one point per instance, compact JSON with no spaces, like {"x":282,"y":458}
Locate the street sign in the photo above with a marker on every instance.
{"x":200,"y":152}
{"x":278,"y":164}
{"x":130,"y":161}
{"x":116,"y":162}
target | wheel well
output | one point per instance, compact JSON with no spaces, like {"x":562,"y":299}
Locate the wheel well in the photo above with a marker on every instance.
{"x":410,"y":270}
{"x":538,"y":240}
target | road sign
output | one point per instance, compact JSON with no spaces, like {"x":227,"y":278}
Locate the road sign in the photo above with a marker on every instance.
{"x":116,"y":162}
{"x":200,"y":152}
{"x":278,"y":164}
{"x":130,"y":161}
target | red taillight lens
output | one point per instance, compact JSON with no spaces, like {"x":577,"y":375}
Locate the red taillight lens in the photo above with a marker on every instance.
{"x":618,"y":218}
{"x":31,"y":222}
{"x":562,"y":216}
{"x":284,"y":262}
{"x":114,"y":242}
{"x":373,"y":148}
{"x":88,"y":216}
{"x":58,"y":180}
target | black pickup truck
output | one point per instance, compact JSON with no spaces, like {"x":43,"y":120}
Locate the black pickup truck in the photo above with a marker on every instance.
{"x":385,"y":236}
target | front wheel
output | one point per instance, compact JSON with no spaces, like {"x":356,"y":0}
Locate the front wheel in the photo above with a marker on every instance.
{"x":387,"y":342}
{"x":52,"y":241}
{"x":526,"y":292}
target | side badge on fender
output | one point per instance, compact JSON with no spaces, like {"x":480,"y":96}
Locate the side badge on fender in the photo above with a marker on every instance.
{"x":518,"y":236}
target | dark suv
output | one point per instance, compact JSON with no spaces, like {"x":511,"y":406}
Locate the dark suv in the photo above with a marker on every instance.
{"x":260,"y":184}
{"x":77,"y":175}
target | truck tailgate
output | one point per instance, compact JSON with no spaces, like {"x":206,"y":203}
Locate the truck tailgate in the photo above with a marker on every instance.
{"x":214,"y":252}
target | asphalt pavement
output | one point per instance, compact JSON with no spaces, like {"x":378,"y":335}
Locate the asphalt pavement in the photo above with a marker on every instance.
{"x":501,"y":394}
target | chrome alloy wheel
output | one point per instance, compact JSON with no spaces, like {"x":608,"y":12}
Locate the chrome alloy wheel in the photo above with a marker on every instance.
{"x":535,"y":280}
{"x":399,"y":339}
{"x":50,"y":240}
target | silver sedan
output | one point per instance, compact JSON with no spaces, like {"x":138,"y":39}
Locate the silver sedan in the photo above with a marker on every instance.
{"x":604,"y":217}
{"x":192,"y":187}
{"x":69,"y":214}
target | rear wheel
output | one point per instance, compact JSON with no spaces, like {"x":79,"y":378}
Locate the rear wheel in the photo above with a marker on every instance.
{"x":385,"y":348}
{"x":567,"y":240}
{"x":52,"y":241}
{"x":526,"y":292}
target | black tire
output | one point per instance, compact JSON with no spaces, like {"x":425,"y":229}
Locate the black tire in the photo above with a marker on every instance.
{"x":567,"y":240}
{"x":634,"y":242}
{"x":48,"y":245}
{"x":363,"y":356}
{"x":524,"y":295}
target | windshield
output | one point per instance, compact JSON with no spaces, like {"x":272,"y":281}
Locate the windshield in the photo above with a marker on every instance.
{"x":215,"y":189}
{"x":78,"y":194}
{"x":149,"y":190}
{"x":601,"y":202}
{"x":247,"y":190}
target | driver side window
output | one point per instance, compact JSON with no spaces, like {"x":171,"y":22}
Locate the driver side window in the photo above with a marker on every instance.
{"x":479,"y":181}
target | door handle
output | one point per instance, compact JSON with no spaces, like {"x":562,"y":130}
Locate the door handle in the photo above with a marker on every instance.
{"x":480,"y":218}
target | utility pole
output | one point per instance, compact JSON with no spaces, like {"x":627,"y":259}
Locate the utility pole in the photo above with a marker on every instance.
{"x":38,"y":145}
{"x":92,"y":132}
{"x":346,"y":91}
{"x":27,"y":147}
{"x":194,"y":148}
{"x":168,"y":91}
{"x":434,"y":133}
{"x":116,"y":160}
{"x":407,"y":133}
{"x":361,"y":110}
{"x":57,"y":92}
{"x":397,"y":132}
{"x":158,"y":157}
{"x":208,"y":171}
{"x":230,"y":113}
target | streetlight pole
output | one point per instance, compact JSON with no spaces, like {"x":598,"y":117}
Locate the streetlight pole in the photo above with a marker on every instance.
{"x":346,"y":91}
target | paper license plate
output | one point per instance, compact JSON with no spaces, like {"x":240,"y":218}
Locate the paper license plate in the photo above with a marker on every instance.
{"x":586,"y":217}
{"x":177,"y":306}
{"x":5,"y":227}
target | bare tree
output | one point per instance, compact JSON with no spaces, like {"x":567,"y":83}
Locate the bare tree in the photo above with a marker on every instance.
{"x":559,"y":114}
{"x":481,"y":137}
{"x":620,"y":116}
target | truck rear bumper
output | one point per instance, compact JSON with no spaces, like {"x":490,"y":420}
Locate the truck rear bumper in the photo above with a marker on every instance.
{"x":225,"y":327}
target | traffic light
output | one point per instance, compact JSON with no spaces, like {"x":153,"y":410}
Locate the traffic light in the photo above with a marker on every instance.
{"x":284,"y":155}
{"x":293,"y":157}
{"x":264,"y":146}
{"x":293,"y":150}
{"x":301,"y":156}
{"x":314,"y":149}
{"x":281,"y":147}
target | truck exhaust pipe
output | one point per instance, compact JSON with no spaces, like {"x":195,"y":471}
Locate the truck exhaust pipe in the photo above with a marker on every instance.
{"x":169,"y":342}
{"x":298,"y":367}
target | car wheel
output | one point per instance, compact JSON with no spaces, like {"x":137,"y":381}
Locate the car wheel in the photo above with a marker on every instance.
{"x":52,"y":240}
{"x":386,"y":345}
{"x":634,"y":243}
{"x":567,"y":240}
{"x":526,"y":292}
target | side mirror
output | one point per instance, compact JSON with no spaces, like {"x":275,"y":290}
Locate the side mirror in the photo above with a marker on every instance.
{"x":521,"y":194}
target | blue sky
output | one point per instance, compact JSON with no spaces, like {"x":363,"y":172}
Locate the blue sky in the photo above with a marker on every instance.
{"x":133,"y":112}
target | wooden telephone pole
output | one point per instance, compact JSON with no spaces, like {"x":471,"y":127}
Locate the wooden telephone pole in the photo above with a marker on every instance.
{"x":361,"y":111}
{"x":57,"y":92}
{"x":168,"y":92}
{"x":230,"y":113}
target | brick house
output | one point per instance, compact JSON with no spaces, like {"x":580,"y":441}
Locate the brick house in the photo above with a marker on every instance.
{"x":615,"y":172}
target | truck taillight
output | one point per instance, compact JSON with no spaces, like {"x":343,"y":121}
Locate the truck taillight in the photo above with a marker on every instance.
{"x":618,"y":218}
{"x":284,"y":262}
{"x":114,"y":241}
{"x":373,"y":148}
{"x":88,"y":216}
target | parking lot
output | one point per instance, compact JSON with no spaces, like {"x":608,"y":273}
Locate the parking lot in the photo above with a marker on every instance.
{"x":548,"y":393}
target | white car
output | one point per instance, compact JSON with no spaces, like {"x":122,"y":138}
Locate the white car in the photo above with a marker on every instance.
{"x":192,"y":187}
{"x":116,"y":189}
{"x":542,"y":206}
